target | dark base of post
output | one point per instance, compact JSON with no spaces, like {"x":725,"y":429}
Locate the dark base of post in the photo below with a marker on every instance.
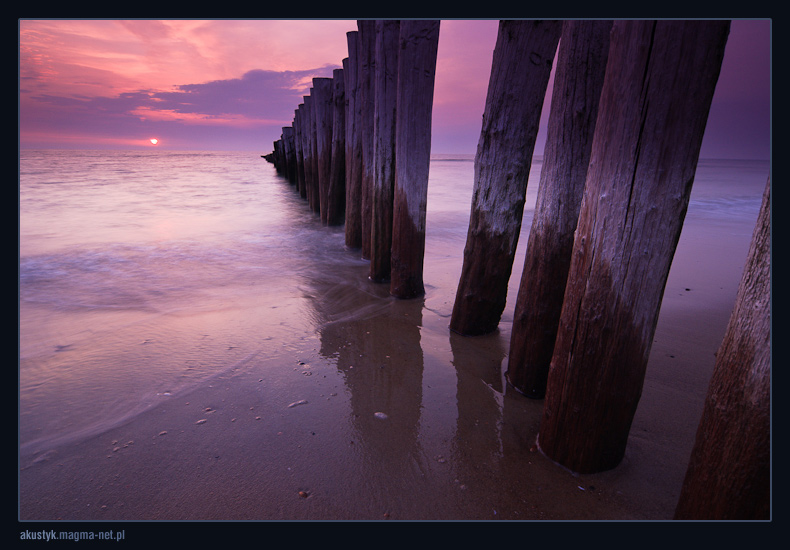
{"x":477,"y":311}
{"x":408,"y":288}
{"x":533,"y":387}
{"x":406,"y":280}
{"x":537,"y":311}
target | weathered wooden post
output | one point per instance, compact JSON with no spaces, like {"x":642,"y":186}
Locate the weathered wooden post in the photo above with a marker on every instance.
{"x":520,"y":72}
{"x":307,"y":135}
{"x":353,"y":227}
{"x":313,"y":192}
{"x":578,"y":79}
{"x":274,"y":159}
{"x":386,"y":95}
{"x":654,"y":105}
{"x":336,"y":192}
{"x":279,"y":157}
{"x":324,"y":111}
{"x":304,"y":117}
{"x":288,"y":151}
{"x":729,"y":474}
{"x":284,"y":153}
{"x":298,"y":146}
{"x":419,"y":41}
{"x":275,"y":155}
{"x":366,"y":70}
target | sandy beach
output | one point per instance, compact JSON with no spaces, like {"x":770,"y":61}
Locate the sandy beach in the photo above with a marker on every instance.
{"x":389,"y":416}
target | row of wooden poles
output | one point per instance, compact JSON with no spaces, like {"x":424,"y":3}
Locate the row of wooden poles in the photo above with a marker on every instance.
{"x":359,"y":147}
{"x":627,"y":117}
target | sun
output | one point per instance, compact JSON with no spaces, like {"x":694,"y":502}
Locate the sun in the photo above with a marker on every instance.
{"x":154,"y":141}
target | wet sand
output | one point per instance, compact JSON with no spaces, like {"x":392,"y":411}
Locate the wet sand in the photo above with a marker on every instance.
{"x":388,"y":416}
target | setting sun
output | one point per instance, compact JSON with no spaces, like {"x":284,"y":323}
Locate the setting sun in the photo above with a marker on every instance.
{"x":154,"y":141}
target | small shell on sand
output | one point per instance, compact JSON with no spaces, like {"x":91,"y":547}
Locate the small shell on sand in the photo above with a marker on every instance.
{"x":380,"y":416}
{"x":202,"y":421}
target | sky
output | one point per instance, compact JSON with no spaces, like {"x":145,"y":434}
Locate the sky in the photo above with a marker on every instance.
{"x":233,"y":84}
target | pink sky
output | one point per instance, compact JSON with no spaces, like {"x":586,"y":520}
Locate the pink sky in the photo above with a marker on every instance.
{"x":233,"y":84}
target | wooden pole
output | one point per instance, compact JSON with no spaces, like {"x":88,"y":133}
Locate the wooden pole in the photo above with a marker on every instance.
{"x":654,"y":106}
{"x":324,"y":111}
{"x":313,"y":192}
{"x":278,"y":156}
{"x":419,"y":41}
{"x":336,"y":193}
{"x":386,"y":95}
{"x":288,"y":151}
{"x":284,"y":152}
{"x":307,"y":135}
{"x":274,"y":155}
{"x":298,"y":145}
{"x":581,"y":65}
{"x":367,"y":67}
{"x":729,"y":474}
{"x":353,"y":227}
{"x":522,"y":62}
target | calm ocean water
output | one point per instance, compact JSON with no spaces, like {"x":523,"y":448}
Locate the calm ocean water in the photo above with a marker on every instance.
{"x":144,"y":274}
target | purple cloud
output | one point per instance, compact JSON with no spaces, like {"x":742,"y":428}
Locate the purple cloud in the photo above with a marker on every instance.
{"x":258,"y":94}
{"x":253,"y":107}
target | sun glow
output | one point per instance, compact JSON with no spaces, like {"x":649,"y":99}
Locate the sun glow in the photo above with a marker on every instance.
{"x":154,"y":141}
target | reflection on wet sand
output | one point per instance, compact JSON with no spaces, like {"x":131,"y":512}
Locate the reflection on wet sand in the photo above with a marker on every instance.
{"x":374,"y":341}
{"x":429,"y":410}
{"x":479,"y":392}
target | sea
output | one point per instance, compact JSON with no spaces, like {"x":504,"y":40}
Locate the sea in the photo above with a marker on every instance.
{"x":146,"y":274}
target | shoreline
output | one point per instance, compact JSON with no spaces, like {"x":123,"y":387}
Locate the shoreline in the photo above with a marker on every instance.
{"x":449,"y":448}
{"x":393,"y":416}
